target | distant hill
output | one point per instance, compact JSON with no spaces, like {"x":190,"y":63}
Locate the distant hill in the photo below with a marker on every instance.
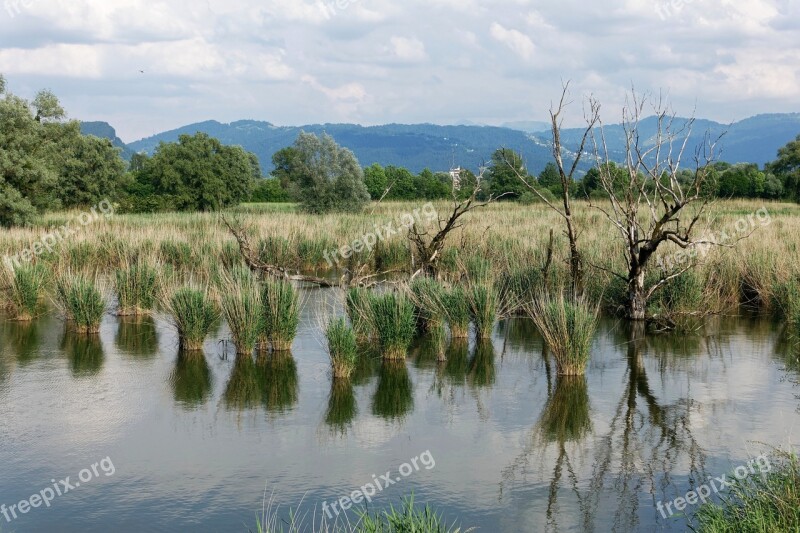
{"x":105,"y":131}
{"x":418,"y":146}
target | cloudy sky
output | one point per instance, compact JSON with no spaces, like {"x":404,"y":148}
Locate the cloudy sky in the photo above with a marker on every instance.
{"x":294,"y":62}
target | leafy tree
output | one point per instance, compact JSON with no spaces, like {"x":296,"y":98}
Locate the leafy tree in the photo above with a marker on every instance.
{"x":197,"y":173}
{"x":329,"y":177}
{"x":287,"y":163}
{"x":402,"y":183}
{"x":430,"y":186}
{"x":269,"y":190}
{"x":550,"y":178}
{"x":503,"y":174}
{"x":375,"y":180}
{"x":787,"y":168}
{"x":742,"y":181}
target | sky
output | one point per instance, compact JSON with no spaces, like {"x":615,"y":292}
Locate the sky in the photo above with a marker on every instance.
{"x":147,"y":66}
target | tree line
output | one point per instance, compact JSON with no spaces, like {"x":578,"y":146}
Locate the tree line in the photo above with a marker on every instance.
{"x":47,"y":164}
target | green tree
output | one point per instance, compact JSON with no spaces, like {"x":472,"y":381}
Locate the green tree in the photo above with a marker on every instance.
{"x":269,"y":190}
{"x":375,"y":180}
{"x":198,"y":173}
{"x":329,"y":177}
{"x":287,"y":163}
{"x":503,"y":174}
{"x":402,"y":183}
{"x":550,"y":179}
{"x":787,"y":168}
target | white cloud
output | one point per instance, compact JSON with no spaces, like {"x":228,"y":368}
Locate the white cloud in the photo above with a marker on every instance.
{"x":517,"y":41}
{"x":409,"y":49}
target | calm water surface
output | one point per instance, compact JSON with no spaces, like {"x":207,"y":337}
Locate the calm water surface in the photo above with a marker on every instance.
{"x":194,"y":444}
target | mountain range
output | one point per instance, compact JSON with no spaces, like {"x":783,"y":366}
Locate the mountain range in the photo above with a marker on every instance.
{"x":419,"y":146}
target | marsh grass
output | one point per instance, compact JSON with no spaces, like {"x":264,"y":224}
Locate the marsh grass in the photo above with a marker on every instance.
{"x":568,"y":327}
{"x":395,"y":323}
{"x":136,"y":287}
{"x":342,"y":348}
{"x":194,"y":313}
{"x":281,"y":304}
{"x":764,"y":502}
{"x":358,"y":304}
{"x":81,"y":299}
{"x":483,"y":307}
{"x":242,"y":308}
{"x":26,"y":285}
{"x":455,"y":306}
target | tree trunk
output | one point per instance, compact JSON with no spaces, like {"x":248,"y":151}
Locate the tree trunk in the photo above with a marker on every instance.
{"x":637,"y":300}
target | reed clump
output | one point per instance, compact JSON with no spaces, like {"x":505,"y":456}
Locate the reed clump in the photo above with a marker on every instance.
{"x":457,"y":312}
{"x":194,"y":313}
{"x":242,"y":308}
{"x":568,"y":326}
{"x":25,"y":285}
{"x":136,"y":286}
{"x":342,"y":348}
{"x":81,"y":299}
{"x":483,"y":307}
{"x":395,"y":323}
{"x":281,"y":304}
{"x":358,"y":304}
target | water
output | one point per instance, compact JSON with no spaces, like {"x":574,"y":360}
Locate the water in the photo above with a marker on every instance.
{"x":195,"y":444}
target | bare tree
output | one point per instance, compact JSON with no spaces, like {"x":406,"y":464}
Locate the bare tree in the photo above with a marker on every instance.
{"x":428,"y":243}
{"x":650,"y":206}
{"x":567,"y":174}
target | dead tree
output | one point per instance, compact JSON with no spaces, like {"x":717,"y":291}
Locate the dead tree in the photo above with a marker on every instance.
{"x":427,"y":246}
{"x":567,"y":174}
{"x":651,"y":206}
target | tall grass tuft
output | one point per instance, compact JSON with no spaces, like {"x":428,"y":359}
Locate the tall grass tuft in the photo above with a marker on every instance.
{"x":136,"y":287}
{"x":426,"y":293}
{"x":456,"y":310}
{"x":766,"y":501}
{"x":26,"y":284}
{"x":395,"y":322}
{"x":568,"y":327}
{"x":342,"y":347}
{"x":81,"y":300}
{"x":483,"y":307}
{"x":281,"y":314}
{"x":194,"y":314}
{"x":242,"y":308}
{"x":358,"y":304}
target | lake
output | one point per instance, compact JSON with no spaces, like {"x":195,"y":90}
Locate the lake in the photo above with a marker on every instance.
{"x":153,"y":441}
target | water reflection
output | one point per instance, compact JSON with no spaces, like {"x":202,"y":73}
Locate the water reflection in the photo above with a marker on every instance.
{"x":457,"y":365}
{"x":481,"y":367}
{"x":278,"y":382}
{"x":22,"y":338}
{"x":369,"y":361}
{"x":136,"y":336}
{"x":394,"y":396}
{"x":85,"y":352}
{"x":191,"y":379}
{"x":243,"y":390}
{"x":565,"y":417}
{"x":342,"y":405}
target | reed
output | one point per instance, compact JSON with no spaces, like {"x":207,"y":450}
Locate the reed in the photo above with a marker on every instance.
{"x":242,"y":308}
{"x":194,"y":313}
{"x":26,"y":285}
{"x":483,"y":307}
{"x":358,"y":304}
{"x":81,"y":300}
{"x":395,"y":322}
{"x":281,"y":304}
{"x":457,"y":312}
{"x":568,"y":327}
{"x":342,"y":348}
{"x":136,"y":286}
